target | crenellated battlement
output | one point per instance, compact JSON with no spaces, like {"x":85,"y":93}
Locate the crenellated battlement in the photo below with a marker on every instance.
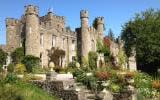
{"x":100,"y":20}
{"x":11,"y":21}
{"x":91,"y":29}
{"x":84,"y":14}
{"x":31,"y":9}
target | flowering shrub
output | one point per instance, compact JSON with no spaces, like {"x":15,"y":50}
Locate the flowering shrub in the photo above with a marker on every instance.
{"x":156,"y":84}
{"x":130,"y":74}
{"x":102,"y":76}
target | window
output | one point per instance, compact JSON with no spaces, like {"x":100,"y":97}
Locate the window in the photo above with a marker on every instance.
{"x":93,"y":45}
{"x":73,"y":45}
{"x":53,"y":40}
{"x":63,"y":44}
{"x":73,"y":58}
{"x":40,"y":57}
{"x":41,"y":39}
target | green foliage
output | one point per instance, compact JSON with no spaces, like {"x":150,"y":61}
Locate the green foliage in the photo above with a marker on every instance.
{"x":30,"y":62}
{"x":92,"y":57}
{"x":22,"y":91}
{"x":115,"y":87}
{"x":122,"y":58}
{"x":10,"y":78}
{"x":143,"y":82}
{"x":20,"y":68}
{"x":10,"y":68}
{"x":143,"y":33}
{"x":3,"y":57}
{"x":100,"y":46}
{"x":17,"y":55}
{"x":72,"y":64}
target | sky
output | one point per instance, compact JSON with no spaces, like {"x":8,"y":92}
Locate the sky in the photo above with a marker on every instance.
{"x":115,"y":12}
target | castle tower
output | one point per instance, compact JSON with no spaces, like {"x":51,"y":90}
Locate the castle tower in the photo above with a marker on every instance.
{"x":85,"y":36}
{"x":12,"y":35}
{"x":32,"y":42}
{"x":100,"y":27}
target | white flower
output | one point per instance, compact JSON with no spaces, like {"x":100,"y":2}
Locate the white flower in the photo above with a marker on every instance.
{"x":89,"y":74}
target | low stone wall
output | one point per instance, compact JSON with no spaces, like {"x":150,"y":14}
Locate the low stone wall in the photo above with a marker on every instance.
{"x":65,"y":90}
{"x":57,"y":88}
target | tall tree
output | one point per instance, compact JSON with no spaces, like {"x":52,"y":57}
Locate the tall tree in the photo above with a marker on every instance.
{"x":143,"y":32}
{"x":110,"y":34}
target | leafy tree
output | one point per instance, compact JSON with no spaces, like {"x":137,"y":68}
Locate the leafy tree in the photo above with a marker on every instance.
{"x":55,"y":55}
{"x":92,"y":57}
{"x":30,"y":62}
{"x":3,"y":57}
{"x":17,"y":55}
{"x":143,"y":32}
{"x":103,"y":48}
{"x":111,"y":35}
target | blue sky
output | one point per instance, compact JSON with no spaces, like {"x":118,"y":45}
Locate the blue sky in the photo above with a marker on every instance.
{"x":115,"y":12}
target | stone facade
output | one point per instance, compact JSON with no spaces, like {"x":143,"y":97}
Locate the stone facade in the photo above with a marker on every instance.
{"x":38,"y":34}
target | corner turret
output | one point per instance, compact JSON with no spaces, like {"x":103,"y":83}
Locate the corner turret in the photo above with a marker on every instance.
{"x":32,"y":31}
{"x":85,"y":35}
{"x":100,"y":26}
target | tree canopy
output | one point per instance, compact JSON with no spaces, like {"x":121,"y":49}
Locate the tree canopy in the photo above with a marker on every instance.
{"x":143,"y":32}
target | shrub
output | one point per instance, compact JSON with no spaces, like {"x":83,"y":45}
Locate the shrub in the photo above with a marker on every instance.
{"x":143,"y":83}
{"x":20,"y":68}
{"x":29,"y":77}
{"x":92,"y":57}
{"x":72,"y":64}
{"x":102,"y":76}
{"x":10,"y":68}
{"x":115,"y":88}
{"x":30,"y":61}
{"x":17,"y":55}
{"x":58,"y":69}
{"x":3,"y":57}
{"x":11,"y":78}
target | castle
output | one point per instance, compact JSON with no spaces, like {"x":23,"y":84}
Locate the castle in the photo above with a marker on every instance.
{"x":38,"y":34}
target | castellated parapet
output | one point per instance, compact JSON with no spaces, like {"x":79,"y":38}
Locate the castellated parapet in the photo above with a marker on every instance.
{"x":40,"y":33}
{"x":84,"y":14}
{"x":11,"y":21}
{"x":31,"y":9}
